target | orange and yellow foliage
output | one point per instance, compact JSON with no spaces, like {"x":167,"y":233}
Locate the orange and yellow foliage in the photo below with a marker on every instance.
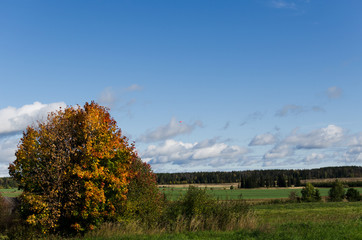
{"x":74,"y":170}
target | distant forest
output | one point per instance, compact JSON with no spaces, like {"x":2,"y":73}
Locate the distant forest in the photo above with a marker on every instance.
{"x":251,"y":178}
{"x":263,"y":178}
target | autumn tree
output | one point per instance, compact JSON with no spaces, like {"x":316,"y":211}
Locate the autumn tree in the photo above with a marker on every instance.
{"x":74,"y":170}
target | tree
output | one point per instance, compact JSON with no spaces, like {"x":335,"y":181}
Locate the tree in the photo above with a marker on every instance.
{"x":310,"y":194}
{"x":144,"y":200}
{"x":353,"y":195}
{"x":74,"y":170}
{"x":337,"y":192}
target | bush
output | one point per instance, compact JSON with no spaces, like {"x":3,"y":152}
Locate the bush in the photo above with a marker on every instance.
{"x":353,"y":195}
{"x":337,"y":192}
{"x":144,"y":200}
{"x":197,"y":210}
{"x":310,"y":194}
{"x":293,"y":196}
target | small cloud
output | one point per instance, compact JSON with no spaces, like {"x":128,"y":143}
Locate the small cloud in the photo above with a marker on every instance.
{"x":279,"y":151}
{"x":134,"y":87}
{"x":172,"y":129}
{"x":116,"y":99}
{"x":107,"y":97}
{"x":317,"y":109}
{"x":334,"y":92}
{"x":292,"y":109}
{"x":283,"y":4}
{"x":252,"y":117}
{"x":314,"y":158}
{"x":226,"y":126}
{"x":263,"y":139}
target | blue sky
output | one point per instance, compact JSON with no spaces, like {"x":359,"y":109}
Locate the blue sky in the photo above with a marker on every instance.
{"x":198,"y":85}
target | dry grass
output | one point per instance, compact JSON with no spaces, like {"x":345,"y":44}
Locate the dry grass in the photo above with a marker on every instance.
{"x":326,"y":180}
{"x":201,"y":185}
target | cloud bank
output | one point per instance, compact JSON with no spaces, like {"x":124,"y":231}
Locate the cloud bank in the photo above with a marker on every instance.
{"x":207,"y":153}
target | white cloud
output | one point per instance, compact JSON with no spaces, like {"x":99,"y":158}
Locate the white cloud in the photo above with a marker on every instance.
{"x":208,"y":152}
{"x":8,"y":146}
{"x":314,"y":158}
{"x":13,"y":120}
{"x":320,"y":138}
{"x":334,"y":92}
{"x":263,"y":139}
{"x":172,"y":129}
{"x":353,"y":155}
{"x":279,"y":151}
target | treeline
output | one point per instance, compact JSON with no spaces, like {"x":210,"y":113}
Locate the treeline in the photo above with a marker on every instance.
{"x":260,"y":178}
{"x":7,"y":182}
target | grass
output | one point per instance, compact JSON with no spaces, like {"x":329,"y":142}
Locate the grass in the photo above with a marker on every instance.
{"x":12,"y":192}
{"x":324,"y":221}
{"x":234,"y":194}
{"x":223,"y":193}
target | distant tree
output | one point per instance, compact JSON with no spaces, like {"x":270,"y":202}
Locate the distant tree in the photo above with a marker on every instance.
{"x":337,"y":192}
{"x":310,"y":194}
{"x":74,"y":170}
{"x":353,"y":195}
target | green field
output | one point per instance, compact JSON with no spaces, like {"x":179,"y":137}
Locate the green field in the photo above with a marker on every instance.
{"x":218,"y":193}
{"x":13,"y":192}
{"x":227,"y":194}
{"x":291,"y":221}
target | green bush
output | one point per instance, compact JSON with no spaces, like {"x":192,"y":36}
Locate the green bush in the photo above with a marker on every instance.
{"x":310,"y":194}
{"x":144,"y":200}
{"x":197,"y":210}
{"x":353,"y":195}
{"x":337,"y":192}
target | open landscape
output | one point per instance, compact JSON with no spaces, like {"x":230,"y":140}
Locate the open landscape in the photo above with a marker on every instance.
{"x":180,"y":119}
{"x":271,"y":215}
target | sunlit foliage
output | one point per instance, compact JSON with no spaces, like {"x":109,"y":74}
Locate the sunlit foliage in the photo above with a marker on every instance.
{"x":74,"y":170}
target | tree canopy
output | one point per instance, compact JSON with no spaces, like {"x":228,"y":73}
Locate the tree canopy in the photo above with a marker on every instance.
{"x":74,"y":169}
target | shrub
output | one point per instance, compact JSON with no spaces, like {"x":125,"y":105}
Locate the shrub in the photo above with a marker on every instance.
{"x":197,"y":210}
{"x":293,"y":196}
{"x":144,"y":200}
{"x":353,"y":195}
{"x":310,"y":194}
{"x":337,"y":192}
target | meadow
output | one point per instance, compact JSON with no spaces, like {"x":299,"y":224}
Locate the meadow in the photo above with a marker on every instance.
{"x":316,"y":220}
{"x":223,"y":193}
{"x":267,"y":220}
